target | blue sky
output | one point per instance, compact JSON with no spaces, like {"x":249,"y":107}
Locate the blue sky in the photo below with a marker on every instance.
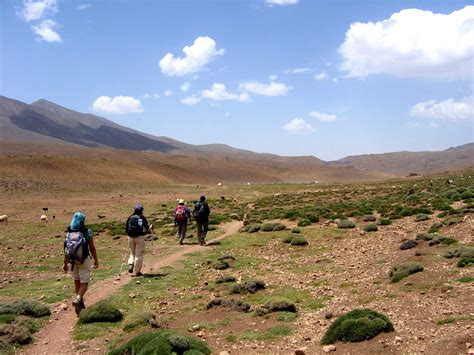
{"x":291,"y":77}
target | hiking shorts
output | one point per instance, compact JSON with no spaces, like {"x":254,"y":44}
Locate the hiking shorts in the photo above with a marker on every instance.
{"x":82,"y":272}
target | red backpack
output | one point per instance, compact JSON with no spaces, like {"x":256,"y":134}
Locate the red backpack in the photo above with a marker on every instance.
{"x":180,"y":213}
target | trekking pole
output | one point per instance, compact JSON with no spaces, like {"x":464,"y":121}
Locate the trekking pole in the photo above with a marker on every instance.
{"x":121,"y":265}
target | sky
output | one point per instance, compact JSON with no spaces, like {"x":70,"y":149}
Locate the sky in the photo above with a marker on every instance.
{"x":293,"y":77}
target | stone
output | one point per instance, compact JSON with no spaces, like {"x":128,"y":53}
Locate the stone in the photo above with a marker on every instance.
{"x":63,"y":306}
{"x":224,"y":353}
{"x":329,"y":348}
{"x":328,"y":315}
{"x":299,"y":352}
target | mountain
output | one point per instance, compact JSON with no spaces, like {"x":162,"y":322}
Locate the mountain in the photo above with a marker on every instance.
{"x":405,"y":163}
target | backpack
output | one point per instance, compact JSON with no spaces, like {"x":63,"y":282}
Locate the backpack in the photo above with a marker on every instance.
{"x":135,"y":226}
{"x":76,"y":248}
{"x":198,"y":210}
{"x":180,"y":213}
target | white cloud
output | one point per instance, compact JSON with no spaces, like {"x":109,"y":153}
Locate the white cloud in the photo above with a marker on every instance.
{"x":448,"y":110}
{"x":197,"y":56}
{"x":433,"y":125}
{"x":154,"y":96}
{"x":118,"y":104}
{"x":190,"y":100}
{"x":36,"y":10}
{"x":323,"y":117}
{"x":281,"y":2}
{"x":298,"y":125}
{"x":218,"y":92}
{"x":83,"y":6}
{"x":412,"y":43}
{"x":321,"y":76}
{"x":168,"y":93}
{"x":272,"y":89}
{"x":45,"y":31}
{"x":273,"y":77}
{"x":297,"y":70}
{"x":185,"y":87}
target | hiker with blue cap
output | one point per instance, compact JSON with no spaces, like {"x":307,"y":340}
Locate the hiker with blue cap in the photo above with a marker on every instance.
{"x":136,"y":227}
{"x":78,"y":247}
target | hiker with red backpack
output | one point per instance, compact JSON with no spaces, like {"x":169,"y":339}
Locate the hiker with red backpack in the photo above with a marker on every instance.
{"x":78,"y":247}
{"x":136,"y":227}
{"x":181,"y":215}
{"x":201,"y":214}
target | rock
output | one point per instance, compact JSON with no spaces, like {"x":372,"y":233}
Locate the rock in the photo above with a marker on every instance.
{"x":329,"y":348}
{"x":408,"y":244}
{"x":63,"y":306}
{"x":299,"y":352}
{"x":470,"y":351}
{"x":42,"y":297}
{"x":224,"y":353}
{"x":201,"y":334}
{"x":398,"y":339}
{"x":328,"y":315}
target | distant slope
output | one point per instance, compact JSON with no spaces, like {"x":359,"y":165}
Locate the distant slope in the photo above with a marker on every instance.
{"x":404,"y":163}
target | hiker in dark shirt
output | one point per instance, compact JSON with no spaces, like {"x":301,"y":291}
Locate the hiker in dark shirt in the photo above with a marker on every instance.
{"x":136,"y":227}
{"x":201,"y":214}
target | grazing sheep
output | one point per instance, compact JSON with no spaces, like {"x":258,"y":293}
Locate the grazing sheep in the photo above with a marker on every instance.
{"x":44,"y":218}
{"x":4,"y":218}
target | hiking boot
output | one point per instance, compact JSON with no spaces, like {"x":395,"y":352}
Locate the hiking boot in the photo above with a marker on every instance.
{"x":180,"y":242}
{"x":130,"y":269}
{"x":77,"y":306}
{"x":82,"y":304}
{"x":139,"y":274}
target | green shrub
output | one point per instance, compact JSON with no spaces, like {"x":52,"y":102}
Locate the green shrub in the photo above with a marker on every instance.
{"x":384,"y":221}
{"x":466,"y":279}
{"x":102,"y":311}
{"x":287,"y":238}
{"x":421,"y":218}
{"x":7,"y":318}
{"x":299,"y":240}
{"x":137,"y":319}
{"x":271,"y":227}
{"x":304,"y":223}
{"x":434,"y":228}
{"x":162,"y":342}
{"x":463,"y":262}
{"x":251,"y":228}
{"x":296,"y":231}
{"x":424,"y":236}
{"x":370,"y":228}
{"x":25,"y":308}
{"x":345,"y":224}
{"x":369,"y":218}
{"x":238,"y":305}
{"x":286,"y":316}
{"x":357,"y":325}
{"x":467,"y":194}
{"x":225,"y":279}
{"x":280,"y":306}
{"x":250,"y":286}
{"x":398,"y":272}
{"x":451,"y":221}
{"x":15,"y":334}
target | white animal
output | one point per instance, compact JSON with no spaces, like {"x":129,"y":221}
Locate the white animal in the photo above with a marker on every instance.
{"x":4,"y":218}
{"x":44,"y":218}
{"x":219,"y":184}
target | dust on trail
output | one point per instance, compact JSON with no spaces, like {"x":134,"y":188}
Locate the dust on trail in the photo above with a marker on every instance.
{"x":56,"y":336}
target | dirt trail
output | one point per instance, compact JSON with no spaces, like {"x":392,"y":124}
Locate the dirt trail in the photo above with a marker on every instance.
{"x":56,"y":336}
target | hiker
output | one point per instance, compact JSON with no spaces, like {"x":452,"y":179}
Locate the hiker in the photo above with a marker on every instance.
{"x":201,"y":214}
{"x":181,"y":215}
{"x":78,"y":247}
{"x":137,"y":227}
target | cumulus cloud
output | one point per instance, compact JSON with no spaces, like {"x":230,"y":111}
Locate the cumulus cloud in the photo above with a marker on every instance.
{"x":281,"y":2}
{"x":191,"y":100}
{"x":298,"y":125}
{"x":297,"y":70}
{"x":448,"y":110}
{"x":154,"y":96}
{"x":36,"y":10}
{"x":168,"y":93}
{"x":185,"y":87}
{"x":218,"y":92}
{"x":272,"y":89}
{"x":83,"y":6}
{"x":118,"y":104}
{"x":321,"y":76}
{"x":196,"y":57}
{"x":323,"y":117}
{"x":46,"y":31}
{"x":412,"y":43}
